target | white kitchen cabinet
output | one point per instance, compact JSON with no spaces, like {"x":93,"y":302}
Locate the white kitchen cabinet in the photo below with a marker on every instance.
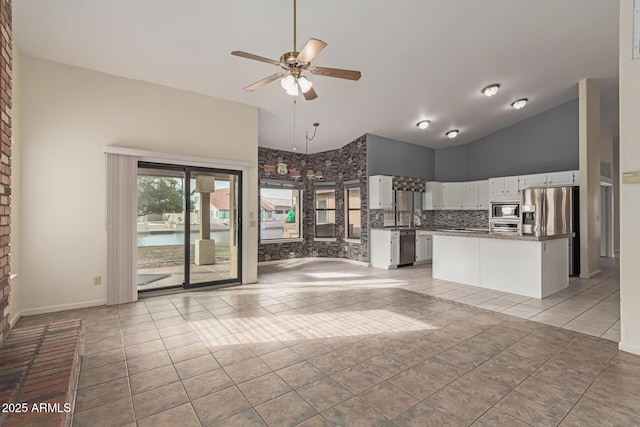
{"x":380,"y":192}
{"x":483,"y":195}
{"x":533,"y":181}
{"x":504,"y":189}
{"x":385,"y":248}
{"x":453,"y":195}
{"x":470,"y":197}
{"x":424,"y":247}
{"x":560,"y":179}
{"x":432,"y":196}
{"x":476,"y":195}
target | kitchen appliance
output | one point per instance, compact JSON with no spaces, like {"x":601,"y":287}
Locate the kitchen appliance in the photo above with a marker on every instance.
{"x":505,"y":211}
{"x":407,"y":247}
{"x":511,"y":226}
{"x":547,"y":211}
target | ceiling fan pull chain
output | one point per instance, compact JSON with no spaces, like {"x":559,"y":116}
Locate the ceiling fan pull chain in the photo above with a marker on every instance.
{"x":294,"y":125}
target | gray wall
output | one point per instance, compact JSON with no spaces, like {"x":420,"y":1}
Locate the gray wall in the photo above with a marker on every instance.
{"x":547,"y":142}
{"x":451,"y":164}
{"x":390,"y":157}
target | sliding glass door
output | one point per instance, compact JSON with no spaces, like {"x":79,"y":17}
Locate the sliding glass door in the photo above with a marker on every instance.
{"x":189,"y":231}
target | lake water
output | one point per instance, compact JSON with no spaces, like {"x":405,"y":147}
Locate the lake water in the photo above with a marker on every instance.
{"x":177,"y":238}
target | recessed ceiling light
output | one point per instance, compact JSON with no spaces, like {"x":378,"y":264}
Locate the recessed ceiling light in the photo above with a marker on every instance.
{"x":452,"y":133}
{"x":423,"y":124}
{"x":519,"y":104}
{"x":491,"y":89}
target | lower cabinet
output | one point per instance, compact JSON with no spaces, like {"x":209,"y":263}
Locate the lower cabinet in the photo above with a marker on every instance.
{"x":424,"y":247}
{"x":385,"y":248}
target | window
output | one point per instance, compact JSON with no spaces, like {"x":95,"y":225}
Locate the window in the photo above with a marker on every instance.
{"x":325,"y":210}
{"x":280,"y":207}
{"x":353,"y":222}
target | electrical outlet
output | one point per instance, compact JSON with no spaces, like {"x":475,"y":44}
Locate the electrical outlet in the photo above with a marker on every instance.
{"x":97,"y":280}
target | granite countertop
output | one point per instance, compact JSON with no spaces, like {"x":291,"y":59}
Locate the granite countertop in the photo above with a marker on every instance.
{"x":497,"y":235}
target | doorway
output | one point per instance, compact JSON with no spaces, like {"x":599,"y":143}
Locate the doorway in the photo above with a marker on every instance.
{"x":188,"y":227}
{"x":606,"y":220}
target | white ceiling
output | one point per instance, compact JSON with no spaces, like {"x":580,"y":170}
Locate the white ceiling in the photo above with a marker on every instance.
{"x":420,"y":59}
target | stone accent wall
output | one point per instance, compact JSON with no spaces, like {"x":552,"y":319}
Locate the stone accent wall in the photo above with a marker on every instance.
{"x":345,"y":164}
{"x":6,"y":47}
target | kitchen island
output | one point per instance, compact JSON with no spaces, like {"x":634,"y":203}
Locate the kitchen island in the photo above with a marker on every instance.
{"x":531,"y":266}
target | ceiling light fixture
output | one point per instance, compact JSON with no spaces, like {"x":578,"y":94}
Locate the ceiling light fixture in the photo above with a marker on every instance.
{"x":452,"y":133}
{"x":304,"y":84}
{"x":519,"y":104}
{"x":423,"y":124}
{"x":491,"y":89}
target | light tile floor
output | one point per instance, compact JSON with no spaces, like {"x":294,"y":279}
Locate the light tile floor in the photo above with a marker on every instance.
{"x":590,"y":306}
{"x":329,"y":343}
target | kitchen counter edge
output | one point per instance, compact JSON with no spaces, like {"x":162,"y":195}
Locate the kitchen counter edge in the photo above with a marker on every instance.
{"x":499,"y":236}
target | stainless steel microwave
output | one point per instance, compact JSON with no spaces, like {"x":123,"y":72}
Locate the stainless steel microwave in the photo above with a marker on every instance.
{"x":505,"y":211}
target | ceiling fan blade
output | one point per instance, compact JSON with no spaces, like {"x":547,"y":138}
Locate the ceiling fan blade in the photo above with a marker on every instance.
{"x":260,"y":83}
{"x":254,"y":57}
{"x":310,"y":94}
{"x":336,"y":72}
{"x":310,"y":50}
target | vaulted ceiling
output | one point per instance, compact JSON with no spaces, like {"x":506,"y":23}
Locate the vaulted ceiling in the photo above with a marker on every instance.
{"x":420,"y":59}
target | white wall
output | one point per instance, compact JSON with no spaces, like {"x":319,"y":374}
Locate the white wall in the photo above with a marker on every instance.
{"x":589,"y":139}
{"x":68,"y":115}
{"x":606,"y":147}
{"x":16,"y":190}
{"x":629,"y":193}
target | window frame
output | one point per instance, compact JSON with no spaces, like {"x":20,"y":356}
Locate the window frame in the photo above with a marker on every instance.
{"x":294,"y":186}
{"x":349,"y":185}
{"x":324,"y":186}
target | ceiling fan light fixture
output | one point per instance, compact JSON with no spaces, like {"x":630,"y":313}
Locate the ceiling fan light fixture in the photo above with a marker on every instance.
{"x":305,"y":84}
{"x":452,"y":133}
{"x":491,"y":89}
{"x":423,"y":124}
{"x":519,"y":104}
{"x":293,"y":91}
{"x":288,"y":83}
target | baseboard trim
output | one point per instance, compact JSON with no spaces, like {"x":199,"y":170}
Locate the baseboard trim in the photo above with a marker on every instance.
{"x":634,"y":349}
{"x":309,"y":259}
{"x":15,"y":319}
{"x":591,"y":275}
{"x":62,"y":307}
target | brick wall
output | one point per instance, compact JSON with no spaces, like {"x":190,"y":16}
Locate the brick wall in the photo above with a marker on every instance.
{"x":5,"y":162}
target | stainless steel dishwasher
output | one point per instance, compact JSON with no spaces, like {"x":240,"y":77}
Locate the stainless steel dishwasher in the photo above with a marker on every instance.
{"x":407,"y":247}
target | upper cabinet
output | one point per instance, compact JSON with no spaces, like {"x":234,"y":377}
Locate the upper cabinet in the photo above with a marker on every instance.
{"x":554,"y":179}
{"x":456,"y":195}
{"x":476,"y":195}
{"x":533,"y":181}
{"x":453,"y":195}
{"x":432,"y":196}
{"x":380,"y":192}
{"x":503,"y":189}
{"x":560,"y":179}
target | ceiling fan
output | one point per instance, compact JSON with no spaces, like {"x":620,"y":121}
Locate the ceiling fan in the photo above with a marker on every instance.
{"x":293,"y":65}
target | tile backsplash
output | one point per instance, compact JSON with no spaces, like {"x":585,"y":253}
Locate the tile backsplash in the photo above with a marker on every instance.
{"x":460,"y":219}
{"x":438,"y":219}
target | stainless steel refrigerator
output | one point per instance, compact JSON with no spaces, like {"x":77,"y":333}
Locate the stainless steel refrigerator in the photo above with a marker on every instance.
{"x":547,"y":211}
